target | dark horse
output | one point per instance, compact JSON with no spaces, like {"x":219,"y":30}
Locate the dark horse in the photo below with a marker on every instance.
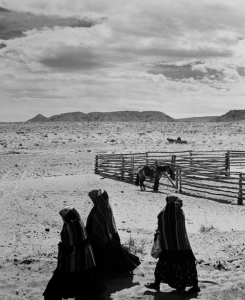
{"x":153,"y":172}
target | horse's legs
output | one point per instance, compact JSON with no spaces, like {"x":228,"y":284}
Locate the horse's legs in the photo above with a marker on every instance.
{"x":156,"y":183}
{"x":142,"y":186}
{"x":137,"y":179}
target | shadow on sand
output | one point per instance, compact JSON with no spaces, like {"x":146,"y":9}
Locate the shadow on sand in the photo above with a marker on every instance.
{"x":173,"y":295}
{"x":118,"y":284}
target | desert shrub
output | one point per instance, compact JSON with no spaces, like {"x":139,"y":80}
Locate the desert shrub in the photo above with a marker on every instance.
{"x":206,"y":228}
{"x":134,"y":247}
{"x":131,"y":242}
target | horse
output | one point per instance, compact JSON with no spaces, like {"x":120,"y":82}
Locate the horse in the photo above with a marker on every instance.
{"x":178,"y":141}
{"x":153,"y":172}
{"x":170,"y":140}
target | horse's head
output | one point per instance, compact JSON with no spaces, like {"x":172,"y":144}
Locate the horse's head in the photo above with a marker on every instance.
{"x":171,"y":172}
{"x":156,"y":162}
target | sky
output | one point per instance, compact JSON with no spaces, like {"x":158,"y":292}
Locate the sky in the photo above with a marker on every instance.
{"x":182,"y":57}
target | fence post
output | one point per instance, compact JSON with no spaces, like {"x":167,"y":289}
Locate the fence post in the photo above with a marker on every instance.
{"x":123,"y":167}
{"x":240,"y":200}
{"x":173,"y":161}
{"x":177,"y":178}
{"x":146,"y":158}
{"x":132,"y":168}
{"x":227,"y":164}
{"x":96,"y":164}
{"x":191,"y":161}
{"x":180,"y":179}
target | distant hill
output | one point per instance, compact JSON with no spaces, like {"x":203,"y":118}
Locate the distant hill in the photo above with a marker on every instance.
{"x":69,"y":117}
{"x":136,"y":116}
{"x":38,"y":118}
{"x":232,"y":116}
{"x":117,"y":116}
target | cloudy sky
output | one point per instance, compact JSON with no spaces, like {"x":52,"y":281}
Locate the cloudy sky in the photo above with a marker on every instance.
{"x":182,"y":57}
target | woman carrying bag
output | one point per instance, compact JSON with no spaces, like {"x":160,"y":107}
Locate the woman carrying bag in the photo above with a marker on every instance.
{"x":177,"y":264}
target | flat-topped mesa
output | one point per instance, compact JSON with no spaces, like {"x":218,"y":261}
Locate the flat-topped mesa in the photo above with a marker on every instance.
{"x":137,"y":116}
{"x":232,"y":116}
{"x":117,"y":116}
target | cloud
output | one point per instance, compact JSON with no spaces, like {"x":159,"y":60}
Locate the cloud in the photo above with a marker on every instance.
{"x":231,"y":75}
{"x":14,"y":24}
{"x":2,"y":45}
{"x":196,"y":70}
{"x":74,"y":59}
{"x":111,"y":55}
{"x":199,"y":67}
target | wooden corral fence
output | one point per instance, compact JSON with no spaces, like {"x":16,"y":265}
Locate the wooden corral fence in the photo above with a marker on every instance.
{"x":125,"y":166}
{"x":216,"y":173}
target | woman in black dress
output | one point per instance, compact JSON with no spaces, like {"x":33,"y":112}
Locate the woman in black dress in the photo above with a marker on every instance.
{"x":112,"y":258}
{"x":76,"y":274}
{"x":177,"y":264}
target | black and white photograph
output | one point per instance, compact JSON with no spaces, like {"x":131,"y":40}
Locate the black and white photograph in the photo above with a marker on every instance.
{"x":122,"y":150}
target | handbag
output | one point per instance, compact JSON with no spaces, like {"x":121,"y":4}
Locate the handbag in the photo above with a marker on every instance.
{"x":156,"y":247}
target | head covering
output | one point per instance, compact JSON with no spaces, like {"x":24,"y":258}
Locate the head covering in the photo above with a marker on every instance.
{"x":76,"y":251}
{"x":171,"y":223}
{"x":93,"y":194}
{"x":101,"y":224}
{"x":174,"y":199}
{"x":74,"y":231}
{"x":69,"y":213}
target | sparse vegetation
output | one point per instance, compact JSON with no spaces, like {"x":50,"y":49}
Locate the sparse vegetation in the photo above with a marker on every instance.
{"x":134,"y":247}
{"x":34,"y":186}
{"x":131,"y":241}
{"x":206,"y":228}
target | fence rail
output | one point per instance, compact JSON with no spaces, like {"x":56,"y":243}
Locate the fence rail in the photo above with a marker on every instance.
{"x":207,"y":172}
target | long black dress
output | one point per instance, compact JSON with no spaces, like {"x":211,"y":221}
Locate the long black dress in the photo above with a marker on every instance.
{"x":112,"y":258}
{"x":76,"y":274}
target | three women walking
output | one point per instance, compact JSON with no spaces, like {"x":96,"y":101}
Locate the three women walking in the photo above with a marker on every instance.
{"x":87,"y":256}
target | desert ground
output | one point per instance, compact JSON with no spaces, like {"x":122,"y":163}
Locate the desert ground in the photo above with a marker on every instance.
{"x":44,"y":166}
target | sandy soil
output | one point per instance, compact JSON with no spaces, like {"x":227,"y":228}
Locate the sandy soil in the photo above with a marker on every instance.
{"x":44,"y":166}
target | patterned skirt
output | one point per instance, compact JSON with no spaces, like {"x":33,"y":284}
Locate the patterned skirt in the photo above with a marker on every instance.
{"x":177,"y":272}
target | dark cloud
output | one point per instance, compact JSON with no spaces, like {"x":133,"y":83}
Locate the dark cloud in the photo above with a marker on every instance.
{"x":14,"y":24}
{"x":4,"y":9}
{"x":2,"y":45}
{"x":202,"y":53}
{"x":175,"y":54}
{"x":68,"y":59}
{"x":174,"y":72}
{"x":241,"y":71}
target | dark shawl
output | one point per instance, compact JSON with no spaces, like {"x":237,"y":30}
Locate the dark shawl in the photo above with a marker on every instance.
{"x":171,"y":224}
{"x":75,"y":252}
{"x":101,"y":224}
